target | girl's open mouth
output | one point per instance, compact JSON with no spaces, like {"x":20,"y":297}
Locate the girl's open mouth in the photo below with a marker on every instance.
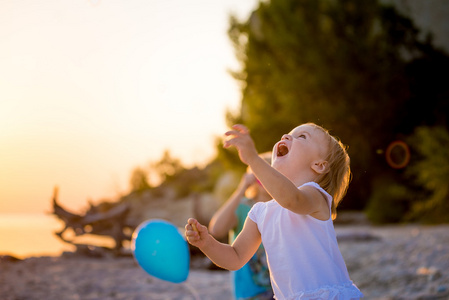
{"x":282,"y":149}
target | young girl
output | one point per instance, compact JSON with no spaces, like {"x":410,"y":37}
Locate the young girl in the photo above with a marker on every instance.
{"x":308,"y":177}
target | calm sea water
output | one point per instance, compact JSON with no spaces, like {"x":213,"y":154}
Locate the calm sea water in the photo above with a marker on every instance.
{"x":25,"y":235}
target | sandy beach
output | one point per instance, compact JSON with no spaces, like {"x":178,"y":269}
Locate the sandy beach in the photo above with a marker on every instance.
{"x":388,"y":262}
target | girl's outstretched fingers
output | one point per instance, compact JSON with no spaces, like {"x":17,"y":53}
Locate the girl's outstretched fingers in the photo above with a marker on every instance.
{"x":190,"y":231}
{"x":240,"y":138}
{"x":231,"y":134}
{"x":238,"y":131}
{"x":241,"y":128}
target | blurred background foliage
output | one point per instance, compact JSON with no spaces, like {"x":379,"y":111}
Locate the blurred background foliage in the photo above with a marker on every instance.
{"x":358,"y":69}
{"x":430,"y":172}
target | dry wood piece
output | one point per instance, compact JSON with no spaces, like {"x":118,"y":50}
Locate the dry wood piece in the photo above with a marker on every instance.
{"x":105,"y":219}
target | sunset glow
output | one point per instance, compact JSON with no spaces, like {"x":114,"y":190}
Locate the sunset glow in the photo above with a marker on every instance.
{"x":91,"y":89}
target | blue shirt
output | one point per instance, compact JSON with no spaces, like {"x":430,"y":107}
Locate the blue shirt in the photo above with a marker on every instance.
{"x":253,"y":278}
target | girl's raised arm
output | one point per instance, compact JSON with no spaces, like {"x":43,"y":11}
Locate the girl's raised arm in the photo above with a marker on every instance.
{"x":282,"y":189}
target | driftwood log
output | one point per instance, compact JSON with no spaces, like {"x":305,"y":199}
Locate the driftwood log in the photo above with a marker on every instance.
{"x":105,"y":219}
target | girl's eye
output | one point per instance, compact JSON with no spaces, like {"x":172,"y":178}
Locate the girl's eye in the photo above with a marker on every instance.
{"x":303,"y":136}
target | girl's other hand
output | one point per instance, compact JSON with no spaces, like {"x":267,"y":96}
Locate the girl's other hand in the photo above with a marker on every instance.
{"x":196,"y":234}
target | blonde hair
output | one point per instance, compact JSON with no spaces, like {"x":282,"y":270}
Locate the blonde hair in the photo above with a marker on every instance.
{"x":336,"y":179}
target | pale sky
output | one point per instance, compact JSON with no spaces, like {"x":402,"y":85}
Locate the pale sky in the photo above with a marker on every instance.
{"x":89,"y":90}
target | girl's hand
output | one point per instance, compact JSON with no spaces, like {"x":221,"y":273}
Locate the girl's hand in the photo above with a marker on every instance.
{"x":240,"y":138}
{"x":196,"y":234}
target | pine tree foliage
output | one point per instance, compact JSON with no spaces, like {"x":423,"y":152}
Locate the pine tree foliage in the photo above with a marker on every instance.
{"x":344,"y":65}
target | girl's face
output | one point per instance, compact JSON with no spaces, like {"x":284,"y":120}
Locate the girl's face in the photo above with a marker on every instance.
{"x":299,"y":150}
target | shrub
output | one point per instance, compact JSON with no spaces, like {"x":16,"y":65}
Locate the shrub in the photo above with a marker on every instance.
{"x":430,"y":172}
{"x":388,"y":203}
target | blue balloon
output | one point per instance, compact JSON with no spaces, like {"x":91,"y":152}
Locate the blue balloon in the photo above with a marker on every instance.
{"x":161,"y":250}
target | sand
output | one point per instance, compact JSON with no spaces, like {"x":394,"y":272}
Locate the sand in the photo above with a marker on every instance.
{"x":389,"y":262}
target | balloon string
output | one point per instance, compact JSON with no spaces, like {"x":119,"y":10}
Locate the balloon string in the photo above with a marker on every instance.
{"x":192,"y":291}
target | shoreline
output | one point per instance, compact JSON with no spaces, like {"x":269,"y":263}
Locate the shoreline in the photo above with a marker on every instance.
{"x":385,"y":262}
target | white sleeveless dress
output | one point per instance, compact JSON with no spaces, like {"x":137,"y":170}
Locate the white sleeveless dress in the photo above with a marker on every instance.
{"x":303,"y":255}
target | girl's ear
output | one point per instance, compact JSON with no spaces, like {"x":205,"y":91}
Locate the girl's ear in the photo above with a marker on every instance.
{"x":321,"y":167}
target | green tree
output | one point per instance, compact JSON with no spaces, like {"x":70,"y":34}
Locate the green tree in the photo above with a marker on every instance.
{"x":340,"y":64}
{"x":139,"y":180}
{"x":167,"y":167}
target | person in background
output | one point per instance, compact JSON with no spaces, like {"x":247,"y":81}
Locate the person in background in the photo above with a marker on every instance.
{"x":252,"y":281}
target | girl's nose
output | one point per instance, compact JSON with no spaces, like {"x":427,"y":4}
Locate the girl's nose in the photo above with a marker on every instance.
{"x":286,"y":137}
